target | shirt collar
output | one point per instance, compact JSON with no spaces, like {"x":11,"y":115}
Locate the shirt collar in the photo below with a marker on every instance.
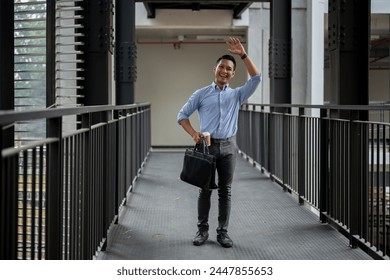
{"x":215,"y":86}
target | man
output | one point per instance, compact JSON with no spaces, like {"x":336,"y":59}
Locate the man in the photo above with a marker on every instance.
{"x":218,"y":106}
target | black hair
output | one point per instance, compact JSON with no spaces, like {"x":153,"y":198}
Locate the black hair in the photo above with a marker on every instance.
{"x":228,"y":57}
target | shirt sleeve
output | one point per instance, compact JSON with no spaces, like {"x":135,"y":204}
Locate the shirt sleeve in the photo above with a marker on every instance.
{"x":248,"y":88}
{"x":190,"y":107}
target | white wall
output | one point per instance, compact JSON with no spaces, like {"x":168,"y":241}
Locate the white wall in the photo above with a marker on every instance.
{"x":379,"y":85}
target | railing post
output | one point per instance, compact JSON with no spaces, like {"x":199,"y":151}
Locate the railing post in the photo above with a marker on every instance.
{"x":271,"y":144}
{"x":8,"y":203}
{"x":355,"y":179}
{"x":286,"y":155}
{"x":54,"y":195}
{"x":323,"y":161}
{"x":263,"y":140}
{"x":86,"y":121}
{"x":117,"y":172}
{"x":301,"y":156}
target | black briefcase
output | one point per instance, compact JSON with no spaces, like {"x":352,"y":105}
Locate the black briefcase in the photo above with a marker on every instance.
{"x":199,"y":166}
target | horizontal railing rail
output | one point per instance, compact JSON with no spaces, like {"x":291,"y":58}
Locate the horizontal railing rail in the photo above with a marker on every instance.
{"x":336,"y":159}
{"x":60,"y":194}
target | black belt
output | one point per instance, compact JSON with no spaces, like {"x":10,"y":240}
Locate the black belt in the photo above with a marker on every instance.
{"x":221,"y":140}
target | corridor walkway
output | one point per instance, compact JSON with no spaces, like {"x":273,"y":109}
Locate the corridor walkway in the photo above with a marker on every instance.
{"x":159,"y":221}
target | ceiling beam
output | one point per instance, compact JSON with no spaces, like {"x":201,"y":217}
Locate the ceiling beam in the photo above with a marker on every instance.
{"x":237,"y":12}
{"x":202,"y":1}
{"x":150,"y":9}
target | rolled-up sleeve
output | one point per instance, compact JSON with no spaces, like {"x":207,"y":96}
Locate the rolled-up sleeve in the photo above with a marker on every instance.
{"x":249,"y":88}
{"x":190,"y":107}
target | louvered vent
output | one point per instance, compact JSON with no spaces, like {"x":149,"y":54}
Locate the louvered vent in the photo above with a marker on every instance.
{"x":69,"y":65}
{"x":30,"y":62}
{"x":30,"y":66}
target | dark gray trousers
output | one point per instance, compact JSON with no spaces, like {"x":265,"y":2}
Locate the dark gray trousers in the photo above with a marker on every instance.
{"x":225,"y":152}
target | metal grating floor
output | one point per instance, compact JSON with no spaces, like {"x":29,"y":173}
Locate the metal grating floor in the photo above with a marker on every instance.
{"x":159,"y":221}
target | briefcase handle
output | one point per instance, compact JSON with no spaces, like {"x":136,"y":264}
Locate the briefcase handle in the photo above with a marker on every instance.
{"x":204,"y":144}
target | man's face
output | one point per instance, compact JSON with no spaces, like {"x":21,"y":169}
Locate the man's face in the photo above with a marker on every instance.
{"x":224,"y":72}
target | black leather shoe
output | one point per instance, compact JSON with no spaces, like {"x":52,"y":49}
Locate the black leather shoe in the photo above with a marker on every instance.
{"x":200,"y":238}
{"x":224,"y":239}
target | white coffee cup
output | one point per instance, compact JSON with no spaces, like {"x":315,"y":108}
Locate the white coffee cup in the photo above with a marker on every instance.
{"x":207,"y":137}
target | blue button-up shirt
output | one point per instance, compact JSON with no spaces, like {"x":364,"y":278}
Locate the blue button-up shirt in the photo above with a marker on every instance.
{"x":218,"y":109}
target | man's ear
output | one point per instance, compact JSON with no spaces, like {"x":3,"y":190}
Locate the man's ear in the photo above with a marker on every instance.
{"x":233,"y":73}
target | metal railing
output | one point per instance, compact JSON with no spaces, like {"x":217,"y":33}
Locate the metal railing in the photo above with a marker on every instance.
{"x":60,"y":195}
{"x":331,"y":159}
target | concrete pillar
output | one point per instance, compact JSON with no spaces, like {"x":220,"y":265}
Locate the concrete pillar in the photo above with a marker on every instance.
{"x":315,"y":52}
{"x":126,"y":52}
{"x":7,"y":55}
{"x":98,"y":51}
{"x":258,"y":41}
{"x":280,"y":52}
{"x":349,"y":34}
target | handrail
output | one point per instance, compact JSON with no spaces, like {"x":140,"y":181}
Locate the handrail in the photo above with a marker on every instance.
{"x":326,"y":106}
{"x":10,"y":116}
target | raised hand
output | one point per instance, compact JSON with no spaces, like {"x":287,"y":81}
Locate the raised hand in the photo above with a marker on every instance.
{"x":235,"y":46}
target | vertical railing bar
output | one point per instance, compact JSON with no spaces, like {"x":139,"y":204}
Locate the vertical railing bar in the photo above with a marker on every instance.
{"x":292,"y":150}
{"x":292,"y":147}
{"x":93,"y":191}
{"x":98,"y":187}
{"x":24,"y":203}
{"x":383,"y":249}
{"x":73,"y":203}
{"x":318,"y":160}
{"x":343,"y":190}
{"x":78,"y":198}
{"x":116,"y":173}
{"x":371,"y":188}
{"x":313,"y":155}
{"x":377,"y":187}
{"x":342,"y":174}
{"x":365,"y":178}
{"x":101,"y":186}
{"x":323,"y":160}
{"x":66,"y":198}
{"x":102,"y":207}
{"x":295,"y":150}
{"x":11,"y":248}
{"x":310,"y":159}
{"x":90,"y":192}
{"x":348,"y":206}
{"x":98,"y":204}
{"x":54,"y":190}
{"x":337,"y":171}
{"x":69,"y":202}
{"x":85,"y":123}
{"x":301,"y":155}
{"x":33,"y":197}
{"x":345,"y":175}
{"x":341,"y":151}
{"x":40,"y":211}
